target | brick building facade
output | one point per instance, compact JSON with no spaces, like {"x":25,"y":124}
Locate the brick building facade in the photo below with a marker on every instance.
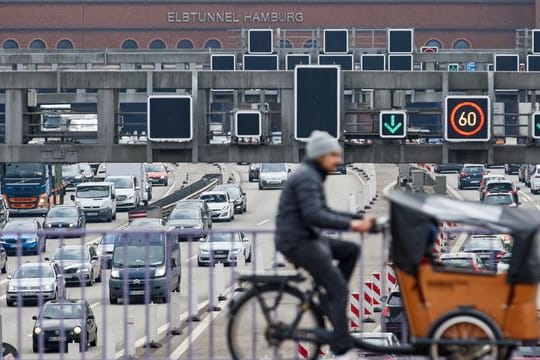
{"x":87,"y":24}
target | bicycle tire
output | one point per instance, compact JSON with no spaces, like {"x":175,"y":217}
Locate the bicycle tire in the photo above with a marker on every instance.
{"x":234,"y":321}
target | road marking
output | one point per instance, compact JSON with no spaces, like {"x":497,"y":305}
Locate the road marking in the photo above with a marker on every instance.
{"x":192,"y":258}
{"x":94,"y":304}
{"x":456,"y":194}
{"x":526,"y":196}
{"x":459,"y":242}
{"x":263,"y":222}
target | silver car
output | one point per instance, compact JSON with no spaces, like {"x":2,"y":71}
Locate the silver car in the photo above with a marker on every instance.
{"x":79,"y":264}
{"x":35,"y":280}
{"x":105,"y":249}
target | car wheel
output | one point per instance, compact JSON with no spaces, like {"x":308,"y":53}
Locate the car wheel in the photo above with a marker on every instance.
{"x":248,"y":259}
{"x":200,"y":264}
{"x":98,"y":279}
{"x":90,"y":281}
{"x":10,"y":303}
{"x":113,"y":300}
{"x":260,"y":187}
{"x":84,"y":347}
{"x":93,"y":343}
{"x":4,"y":268}
{"x":114,"y":216}
{"x":166,"y":183}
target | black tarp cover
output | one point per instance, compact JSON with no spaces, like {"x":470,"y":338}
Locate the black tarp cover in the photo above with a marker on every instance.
{"x":415,"y":218}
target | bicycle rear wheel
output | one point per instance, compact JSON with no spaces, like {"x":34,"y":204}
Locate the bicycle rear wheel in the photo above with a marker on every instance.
{"x":249,"y":333}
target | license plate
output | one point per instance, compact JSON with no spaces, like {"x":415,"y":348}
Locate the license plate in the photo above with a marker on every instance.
{"x":220,"y":256}
{"x":475,"y":181}
{"x":57,"y":338}
{"x":273,"y":181}
{"x":92,"y":213}
{"x":68,"y":276}
{"x":136,"y":292}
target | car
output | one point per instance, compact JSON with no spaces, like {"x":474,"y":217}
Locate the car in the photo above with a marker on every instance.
{"x":470,"y":176}
{"x":220,"y":203}
{"x":511,"y":169}
{"x":237,"y":195}
{"x":500,"y":186}
{"x":273,"y":175}
{"x":105,"y":248}
{"x":4,"y":213}
{"x":489,"y":248}
{"x":79,"y":264}
{"x":26,"y":233}
{"x":447,"y":168}
{"x":188,"y":222}
{"x":72,"y":175}
{"x":127,"y":191}
{"x":87,"y":171}
{"x":97,"y":199}
{"x":145,"y":222}
{"x":64,"y":217}
{"x":197,"y":204}
{"x":393,"y":315}
{"x":224,"y":248}
{"x":64,"y":321}
{"x":504,"y":199}
{"x":157,"y":173}
{"x":487,"y":178}
{"x":253,"y":172}
{"x":33,"y":281}
{"x":529,"y":171}
{"x":534,"y":181}
{"x":3,"y":259}
{"x":462,"y":260}
{"x":526,"y":353}
{"x":522,"y":172}
{"x":385,"y":339}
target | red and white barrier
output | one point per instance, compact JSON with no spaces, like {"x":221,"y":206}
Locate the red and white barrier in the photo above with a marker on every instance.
{"x":391,"y":279}
{"x":302,"y":351}
{"x":367,"y":303}
{"x":355,"y":307}
{"x":377,"y":292}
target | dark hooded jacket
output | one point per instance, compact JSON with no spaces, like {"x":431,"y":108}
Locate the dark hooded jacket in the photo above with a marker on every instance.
{"x":303,"y":211}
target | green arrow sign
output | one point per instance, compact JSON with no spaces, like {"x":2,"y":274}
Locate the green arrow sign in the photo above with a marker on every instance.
{"x":393,"y":127}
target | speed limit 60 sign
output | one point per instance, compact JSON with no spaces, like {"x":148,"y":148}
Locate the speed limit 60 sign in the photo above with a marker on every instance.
{"x":468,"y":118}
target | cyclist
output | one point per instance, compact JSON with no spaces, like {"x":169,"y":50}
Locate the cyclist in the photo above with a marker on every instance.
{"x":301,"y":214}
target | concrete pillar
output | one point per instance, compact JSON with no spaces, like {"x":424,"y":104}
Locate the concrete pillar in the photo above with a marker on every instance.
{"x":440,"y":185}
{"x":107,"y":108}
{"x":382,"y":99}
{"x":287,"y":122}
{"x":444,"y":94}
{"x":15,"y":103}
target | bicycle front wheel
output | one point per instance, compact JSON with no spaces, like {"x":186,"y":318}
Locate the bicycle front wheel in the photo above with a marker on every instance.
{"x":251,"y":328}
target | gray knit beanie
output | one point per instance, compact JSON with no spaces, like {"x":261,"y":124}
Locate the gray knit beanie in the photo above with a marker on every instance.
{"x":321,"y":143}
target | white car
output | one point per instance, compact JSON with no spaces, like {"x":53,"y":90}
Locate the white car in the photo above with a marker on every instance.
{"x":97,"y":199}
{"x":223,"y":248}
{"x":535,"y":181}
{"x":273,"y":175}
{"x":220,"y":204}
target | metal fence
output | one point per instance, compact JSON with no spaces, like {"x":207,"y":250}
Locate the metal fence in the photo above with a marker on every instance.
{"x":164,"y":293}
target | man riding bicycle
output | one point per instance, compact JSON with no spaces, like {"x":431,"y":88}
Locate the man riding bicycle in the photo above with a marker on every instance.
{"x":302,"y":213}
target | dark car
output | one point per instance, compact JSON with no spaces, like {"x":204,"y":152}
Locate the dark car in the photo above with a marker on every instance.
{"x":188,"y":222}
{"x":253,"y":173}
{"x":511,"y":169}
{"x":489,"y":248}
{"x":393,"y":316}
{"x":25,"y":232}
{"x":72,"y":175}
{"x":79,"y":264}
{"x":199,"y":204}
{"x":470,"y":176}
{"x":237,"y":195}
{"x":63,"y":218}
{"x":64,"y":321}
{"x":3,"y":260}
{"x":447,"y":168}
{"x":4,"y":213}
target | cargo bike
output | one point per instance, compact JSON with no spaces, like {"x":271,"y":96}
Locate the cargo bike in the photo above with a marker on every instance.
{"x":451,"y":313}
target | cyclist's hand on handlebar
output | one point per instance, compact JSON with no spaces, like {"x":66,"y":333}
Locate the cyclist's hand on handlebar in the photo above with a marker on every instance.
{"x":363,"y":225}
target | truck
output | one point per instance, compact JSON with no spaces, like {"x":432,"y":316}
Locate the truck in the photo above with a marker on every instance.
{"x":132,"y":169}
{"x":29,"y":188}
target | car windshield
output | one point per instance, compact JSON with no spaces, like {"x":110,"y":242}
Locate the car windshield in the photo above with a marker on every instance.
{"x":504,"y":199}
{"x":462,"y":263}
{"x":78,"y":254}
{"x":224,"y":237}
{"x":473,"y":169}
{"x":121,"y":183}
{"x":109,"y":239}
{"x":273,"y":168}
{"x":233,"y":191}
{"x":214,"y":198}
{"x":61,"y":311}
{"x":184,"y":214}
{"x":70,"y":170}
{"x":51,"y":121}
{"x":138,"y":256}
{"x":62,"y":212}
{"x":483,"y":243}
{"x":93,"y":191}
{"x":394,"y":299}
{"x":23,"y":170}
{"x":154,"y":168}
{"x":33,"y":272}
{"x":19,"y":226}
{"x":145,"y":222}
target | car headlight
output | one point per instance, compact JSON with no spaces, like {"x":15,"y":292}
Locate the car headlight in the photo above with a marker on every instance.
{"x":12,"y":287}
{"x":236,"y":251}
{"x":203,"y":251}
{"x":83,"y":269}
{"x":225,"y":208}
{"x":115,"y":273}
{"x":198,"y":226}
{"x":237,"y":201}
{"x":46,"y":287}
{"x":47,"y":225}
{"x":160,"y":271}
{"x":162,"y":177}
{"x":42,"y":200}
{"x":71,"y":225}
{"x":77,"y":330}
{"x":37,"y":330}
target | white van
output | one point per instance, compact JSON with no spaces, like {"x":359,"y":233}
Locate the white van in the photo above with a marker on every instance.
{"x":97,"y":199}
{"x":127,"y":191}
{"x":273,"y":175}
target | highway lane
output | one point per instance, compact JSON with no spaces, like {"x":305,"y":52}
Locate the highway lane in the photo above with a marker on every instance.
{"x":20,"y":317}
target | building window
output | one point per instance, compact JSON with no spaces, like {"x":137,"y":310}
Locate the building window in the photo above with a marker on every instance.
{"x":130,"y":44}
{"x":285,"y":44}
{"x":64,"y":44}
{"x":212,"y":44}
{"x":37,"y":44}
{"x":461,"y":44}
{"x":10,"y":44}
{"x":185,"y":44}
{"x":310,"y":44}
{"x":434,"y":43}
{"x":157,"y":44}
